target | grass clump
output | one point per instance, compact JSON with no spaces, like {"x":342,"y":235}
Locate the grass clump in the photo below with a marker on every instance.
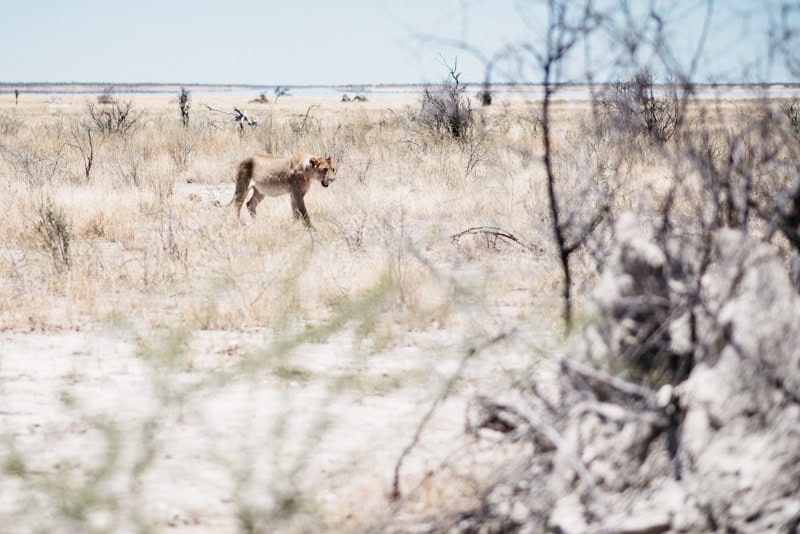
{"x":55,"y":234}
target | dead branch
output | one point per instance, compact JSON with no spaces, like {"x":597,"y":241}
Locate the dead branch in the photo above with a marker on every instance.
{"x":562,"y":445}
{"x":239,"y":116}
{"x":495,"y":232}
{"x":600,"y":381}
{"x":519,"y":420}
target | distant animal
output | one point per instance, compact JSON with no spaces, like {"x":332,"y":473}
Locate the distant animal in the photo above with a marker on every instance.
{"x":275,"y":176}
{"x":357,"y":98}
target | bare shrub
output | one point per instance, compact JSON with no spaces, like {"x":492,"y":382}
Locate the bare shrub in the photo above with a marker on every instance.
{"x":185,"y":103}
{"x":129,"y":161}
{"x":107,"y":96}
{"x":280,"y":91}
{"x":180,"y":149}
{"x":352,"y":231}
{"x":445,"y":110}
{"x":485,"y":94}
{"x":168,"y":234}
{"x":81,"y":140}
{"x":36,"y":164}
{"x":791,"y":108}
{"x":634,"y":107}
{"x":55,"y":234}
{"x":306,"y":122}
{"x":113,"y":116}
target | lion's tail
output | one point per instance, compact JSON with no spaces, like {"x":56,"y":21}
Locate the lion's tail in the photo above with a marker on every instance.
{"x":243,"y":177}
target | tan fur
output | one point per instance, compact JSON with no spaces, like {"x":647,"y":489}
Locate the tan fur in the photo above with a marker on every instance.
{"x":275,"y":176}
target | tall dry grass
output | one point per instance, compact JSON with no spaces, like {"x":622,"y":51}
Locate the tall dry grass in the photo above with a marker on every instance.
{"x":147,"y":242}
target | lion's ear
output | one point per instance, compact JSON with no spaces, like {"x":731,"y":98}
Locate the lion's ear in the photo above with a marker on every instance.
{"x":314,"y":161}
{"x":328,"y":159}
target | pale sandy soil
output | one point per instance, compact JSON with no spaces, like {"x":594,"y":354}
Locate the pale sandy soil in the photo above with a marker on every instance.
{"x":329,"y":422}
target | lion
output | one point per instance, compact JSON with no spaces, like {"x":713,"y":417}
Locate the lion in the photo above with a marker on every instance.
{"x":276,"y":176}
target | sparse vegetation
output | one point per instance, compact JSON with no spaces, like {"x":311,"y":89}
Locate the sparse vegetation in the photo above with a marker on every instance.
{"x":634,"y":107}
{"x":80,"y":139}
{"x":54,"y":233}
{"x":791,"y":108}
{"x":446,"y":110}
{"x":280,"y":91}
{"x":112,"y":115}
{"x":185,"y":104}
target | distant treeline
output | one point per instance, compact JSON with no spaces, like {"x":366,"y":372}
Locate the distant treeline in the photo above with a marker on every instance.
{"x":101,"y":87}
{"x":66,"y":87}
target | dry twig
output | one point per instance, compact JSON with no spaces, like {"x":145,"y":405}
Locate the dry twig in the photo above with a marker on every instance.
{"x":494,"y":233}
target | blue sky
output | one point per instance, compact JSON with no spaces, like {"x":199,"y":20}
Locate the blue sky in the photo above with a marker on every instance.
{"x":335,"y":42}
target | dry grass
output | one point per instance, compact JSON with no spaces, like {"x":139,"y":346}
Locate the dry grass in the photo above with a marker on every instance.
{"x":148,"y":244}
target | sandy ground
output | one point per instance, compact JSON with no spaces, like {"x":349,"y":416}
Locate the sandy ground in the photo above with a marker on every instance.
{"x":186,"y":445}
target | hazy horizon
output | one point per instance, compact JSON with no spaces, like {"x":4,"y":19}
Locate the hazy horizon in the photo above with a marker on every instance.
{"x":100,"y":85}
{"x":312,"y":43}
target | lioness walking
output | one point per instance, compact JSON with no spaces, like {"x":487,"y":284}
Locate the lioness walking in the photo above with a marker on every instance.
{"x":276,"y":176}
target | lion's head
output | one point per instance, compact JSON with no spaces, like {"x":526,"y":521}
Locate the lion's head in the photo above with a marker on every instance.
{"x":323,"y":170}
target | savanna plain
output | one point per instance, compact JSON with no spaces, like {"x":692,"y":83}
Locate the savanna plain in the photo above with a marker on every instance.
{"x":169,"y":365}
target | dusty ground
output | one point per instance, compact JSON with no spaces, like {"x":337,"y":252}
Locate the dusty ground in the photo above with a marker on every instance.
{"x":328,"y":426}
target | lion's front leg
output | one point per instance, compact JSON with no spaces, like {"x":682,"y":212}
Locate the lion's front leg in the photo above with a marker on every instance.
{"x":299,"y":207}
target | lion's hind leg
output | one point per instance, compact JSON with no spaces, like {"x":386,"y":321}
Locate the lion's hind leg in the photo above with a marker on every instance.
{"x":253,"y":202}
